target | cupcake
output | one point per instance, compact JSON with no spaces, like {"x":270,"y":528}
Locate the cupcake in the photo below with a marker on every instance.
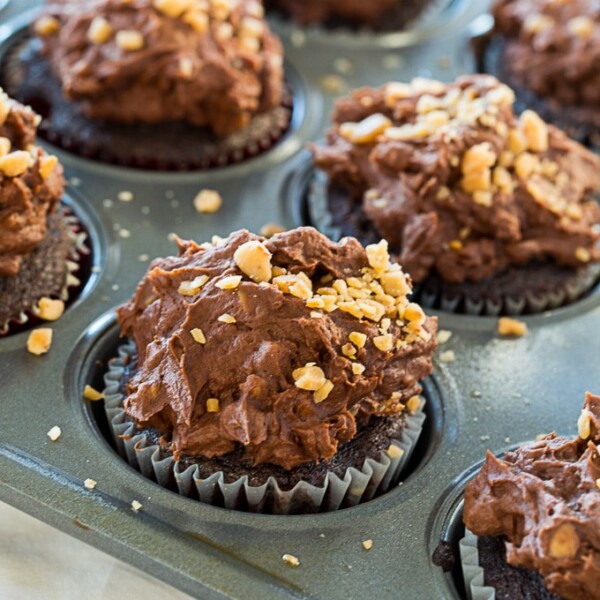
{"x":488,"y":212}
{"x":39,"y":241}
{"x":537,"y":516}
{"x":380,"y":15}
{"x":276,"y":375}
{"x":549,"y":52}
{"x":163,"y":83}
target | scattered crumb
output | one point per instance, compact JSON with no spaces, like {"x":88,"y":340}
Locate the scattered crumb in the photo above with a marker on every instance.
{"x":49,"y":309}
{"x":145,"y":210}
{"x":96,"y":269}
{"x":321,"y":535}
{"x":298,"y":38}
{"x":475,"y":419}
{"x":90,"y":484}
{"x":343,"y":66}
{"x":443,"y":336}
{"x":598,"y":483}
{"x":444,"y":62}
{"x":316,"y":315}
{"x":367,"y":544}
{"x":484,"y":438}
{"x":392,"y":62}
{"x":476,"y":394}
{"x":270,"y":229}
{"x":507,"y":440}
{"x":54,"y":433}
{"x":39,"y":341}
{"x":208,"y":201}
{"x":125,"y":233}
{"x":116,"y":227}
{"x":448,"y":356}
{"x":90,"y":393}
{"x":107,"y":203}
{"x":169,"y":194}
{"x":136,"y":506}
{"x":511,"y":327}
{"x":143,"y":258}
{"x":174,"y":203}
{"x":332,"y":84}
{"x":125,"y":196}
{"x":171,"y":237}
{"x":115,"y":287}
{"x":75,"y":181}
{"x":290,"y":560}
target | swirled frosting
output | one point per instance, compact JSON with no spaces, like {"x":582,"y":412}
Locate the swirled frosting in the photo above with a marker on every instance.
{"x":545,"y":498}
{"x":553,"y":47}
{"x":212,"y":63}
{"x":31,"y":185}
{"x":282,"y":347}
{"x":457,"y":183}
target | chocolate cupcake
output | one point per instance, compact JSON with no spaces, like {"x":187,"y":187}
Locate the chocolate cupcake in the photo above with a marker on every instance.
{"x":40,"y":242}
{"x":549,"y":53}
{"x":276,"y":375}
{"x":537,"y":515}
{"x":379,"y":15}
{"x":488,"y":212}
{"x":173,"y":84}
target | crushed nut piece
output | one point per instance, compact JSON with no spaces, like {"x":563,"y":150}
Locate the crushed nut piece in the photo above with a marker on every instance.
{"x":378,"y":256}
{"x":323,"y":392}
{"x":310,"y":377}
{"x":39,"y":341}
{"x":271,"y":229}
{"x":584,"y":425}
{"x":49,"y":309}
{"x":581,"y":26}
{"x":172,"y":8}
{"x":290,"y":560}
{"x":413,"y":403}
{"x":100,"y":31}
{"x":92,"y":394}
{"x":395,"y":451}
{"x":443,"y":336}
{"x":583,"y":255}
{"x":136,"y":506}
{"x":90,"y":484}
{"x":213,"y":405}
{"x":229,"y":283}
{"x":535,"y":131}
{"x":384,"y":342}
{"x":125,"y":196}
{"x":191,"y":288}
{"x":47,"y":164}
{"x":54,"y":433}
{"x":130,"y":40}
{"x":358,"y":339}
{"x":227,"y":318}
{"x":367,"y":544}
{"x":47,"y":26}
{"x":15,"y":163}
{"x":198,"y":335}
{"x":208,"y":201}
{"x":358,"y":368}
{"x":254,"y":260}
{"x":564,"y":542}
{"x":366,"y":131}
{"x":448,"y":356}
{"x":511,"y":327}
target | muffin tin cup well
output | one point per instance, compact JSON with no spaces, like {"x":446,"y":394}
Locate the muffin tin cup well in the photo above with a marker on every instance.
{"x":493,"y":388}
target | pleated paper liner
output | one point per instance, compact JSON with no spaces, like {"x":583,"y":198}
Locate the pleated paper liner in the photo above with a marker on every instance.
{"x":172,"y":146}
{"x":57,"y":269}
{"x":582,"y":123}
{"x":520,"y":290}
{"x":482,"y":584}
{"x":405,"y":15}
{"x":356,"y":485}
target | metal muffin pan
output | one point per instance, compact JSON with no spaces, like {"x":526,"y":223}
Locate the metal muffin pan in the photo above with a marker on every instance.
{"x":496,"y":393}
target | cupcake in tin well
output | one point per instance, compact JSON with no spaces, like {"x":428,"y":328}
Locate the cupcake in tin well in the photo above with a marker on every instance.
{"x":163,"y":83}
{"x":549,"y":52}
{"x":538,"y":514}
{"x":276,"y":375}
{"x":40,"y":243}
{"x":488,"y":212}
{"x":380,"y":15}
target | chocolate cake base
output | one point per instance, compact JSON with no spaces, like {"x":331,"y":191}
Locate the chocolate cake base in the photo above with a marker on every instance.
{"x":44,"y":272}
{"x":527,"y":289}
{"x":396,"y":19}
{"x":172,"y":146}
{"x":370,"y":442}
{"x":509,"y":582}
{"x":582,"y":123}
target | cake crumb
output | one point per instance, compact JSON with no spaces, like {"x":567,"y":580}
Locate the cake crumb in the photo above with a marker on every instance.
{"x":39,"y":341}
{"x":290,"y":560}
{"x":443,"y":336}
{"x":90,"y":484}
{"x":136,"y":506}
{"x":208,"y":201}
{"x":54,"y":433}
{"x":90,"y":393}
{"x":125,"y":196}
{"x":511,"y":327}
{"x":367,"y":544}
{"x":448,"y":356}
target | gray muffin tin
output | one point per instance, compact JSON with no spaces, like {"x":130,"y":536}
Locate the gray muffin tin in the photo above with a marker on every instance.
{"x":496,"y":393}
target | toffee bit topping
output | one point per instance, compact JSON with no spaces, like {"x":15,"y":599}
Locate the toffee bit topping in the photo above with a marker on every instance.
{"x":213,"y":405}
{"x":385,"y":343}
{"x":413,"y":403}
{"x":39,"y":341}
{"x":564,"y":542}
{"x":92,"y":394}
{"x":46,"y":165}
{"x":254,"y":260}
{"x":511,"y":327}
{"x":49,"y":309}
{"x":367,"y":544}
{"x":47,"y":26}
{"x":358,"y":368}
{"x":310,"y":377}
{"x":358,"y":339}
{"x":193,"y":287}
{"x":323,"y":392}
{"x":15,"y":163}
{"x":198,"y":336}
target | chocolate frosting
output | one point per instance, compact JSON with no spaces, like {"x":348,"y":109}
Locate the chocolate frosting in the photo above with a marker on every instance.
{"x":257,"y":341}
{"x":309,"y":12}
{"x":553,"y":48}
{"x":215,"y":67}
{"x":457,"y":183}
{"x":28,"y":193}
{"x":545,"y":498}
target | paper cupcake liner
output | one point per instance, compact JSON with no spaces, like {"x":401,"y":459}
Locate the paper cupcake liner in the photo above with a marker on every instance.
{"x":473,"y":574}
{"x":357,"y":485}
{"x":580,"y":123}
{"x":72,"y":284}
{"x":174,"y":146}
{"x":435,"y":293}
